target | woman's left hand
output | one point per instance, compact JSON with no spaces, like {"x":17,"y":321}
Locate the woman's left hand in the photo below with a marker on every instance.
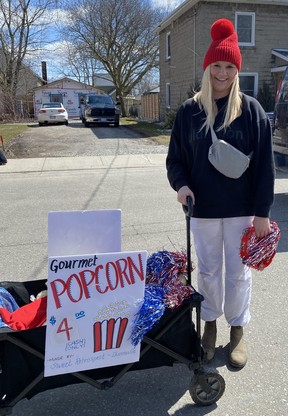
{"x":262,"y":226}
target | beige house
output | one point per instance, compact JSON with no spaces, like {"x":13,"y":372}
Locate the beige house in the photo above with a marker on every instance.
{"x":24,"y":96}
{"x":185,"y":37}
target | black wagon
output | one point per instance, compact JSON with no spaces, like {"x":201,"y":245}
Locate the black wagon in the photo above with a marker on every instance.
{"x":175,"y":339}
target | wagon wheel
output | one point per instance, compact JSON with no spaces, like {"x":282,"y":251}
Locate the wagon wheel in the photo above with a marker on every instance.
{"x":207,"y":388}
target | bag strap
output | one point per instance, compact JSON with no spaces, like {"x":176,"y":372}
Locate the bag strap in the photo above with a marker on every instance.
{"x":215,"y":138}
{"x":213,"y":134}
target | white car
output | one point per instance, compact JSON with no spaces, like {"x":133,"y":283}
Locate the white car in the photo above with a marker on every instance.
{"x":52,"y":113}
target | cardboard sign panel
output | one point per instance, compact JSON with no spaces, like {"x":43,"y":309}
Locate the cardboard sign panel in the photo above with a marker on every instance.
{"x":92,"y":302}
{"x":82,"y":232}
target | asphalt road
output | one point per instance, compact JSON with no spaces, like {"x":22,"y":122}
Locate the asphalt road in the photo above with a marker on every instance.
{"x":152,"y":220}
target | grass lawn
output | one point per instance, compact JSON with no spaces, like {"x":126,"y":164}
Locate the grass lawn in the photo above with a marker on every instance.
{"x":153,"y":130}
{"x":8,"y":131}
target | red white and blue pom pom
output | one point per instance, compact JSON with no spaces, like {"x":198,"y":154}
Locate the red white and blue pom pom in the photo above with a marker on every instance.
{"x":165,"y":287}
{"x":169,"y":270}
{"x":149,"y":314}
{"x":258,"y":253}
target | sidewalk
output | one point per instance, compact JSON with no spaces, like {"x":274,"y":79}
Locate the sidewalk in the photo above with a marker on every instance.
{"x":90,"y":162}
{"x":82,"y":163}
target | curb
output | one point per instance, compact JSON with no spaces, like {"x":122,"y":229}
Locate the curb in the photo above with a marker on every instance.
{"x":82,"y":163}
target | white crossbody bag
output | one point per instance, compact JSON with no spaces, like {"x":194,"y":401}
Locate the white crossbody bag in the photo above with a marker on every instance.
{"x":226,"y":158}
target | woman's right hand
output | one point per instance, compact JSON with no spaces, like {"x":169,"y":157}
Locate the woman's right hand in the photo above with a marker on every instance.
{"x":182,"y":194}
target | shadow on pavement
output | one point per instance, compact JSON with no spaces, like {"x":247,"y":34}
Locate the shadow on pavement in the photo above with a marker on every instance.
{"x":153,"y":392}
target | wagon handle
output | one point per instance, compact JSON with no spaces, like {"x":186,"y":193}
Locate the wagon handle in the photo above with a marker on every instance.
{"x":188,"y":209}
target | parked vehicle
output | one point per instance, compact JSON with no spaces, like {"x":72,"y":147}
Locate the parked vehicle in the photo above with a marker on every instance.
{"x":52,"y":113}
{"x":99,"y":109}
{"x":280,"y":130}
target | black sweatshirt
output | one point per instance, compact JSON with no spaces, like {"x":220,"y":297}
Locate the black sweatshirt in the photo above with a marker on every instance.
{"x":216,"y":195}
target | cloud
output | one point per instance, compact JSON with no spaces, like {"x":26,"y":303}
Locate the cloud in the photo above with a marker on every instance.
{"x":170,"y":4}
{"x":52,"y":53}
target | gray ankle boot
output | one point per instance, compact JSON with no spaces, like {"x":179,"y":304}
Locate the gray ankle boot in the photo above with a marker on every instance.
{"x":238,"y":350}
{"x":209,"y":339}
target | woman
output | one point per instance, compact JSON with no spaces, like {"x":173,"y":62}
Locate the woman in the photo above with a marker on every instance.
{"x":223,"y":207}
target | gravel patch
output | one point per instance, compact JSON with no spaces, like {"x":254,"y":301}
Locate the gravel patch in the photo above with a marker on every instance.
{"x":77,"y":140}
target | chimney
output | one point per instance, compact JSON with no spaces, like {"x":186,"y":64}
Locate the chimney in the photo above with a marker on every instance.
{"x":44,"y":72}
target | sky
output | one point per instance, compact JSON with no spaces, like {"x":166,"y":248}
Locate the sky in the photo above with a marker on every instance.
{"x":51,"y":51}
{"x":167,"y":3}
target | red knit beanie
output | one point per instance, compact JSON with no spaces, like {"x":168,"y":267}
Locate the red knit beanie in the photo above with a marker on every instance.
{"x":224,"y":46}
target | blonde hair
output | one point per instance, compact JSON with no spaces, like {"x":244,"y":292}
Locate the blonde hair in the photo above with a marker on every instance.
{"x":205,"y":100}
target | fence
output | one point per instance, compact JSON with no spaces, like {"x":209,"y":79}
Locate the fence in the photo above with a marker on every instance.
{"x":150,"y":106}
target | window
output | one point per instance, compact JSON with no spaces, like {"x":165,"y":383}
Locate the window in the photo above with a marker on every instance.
{"x":100,"y":99}
{"x":245,"y":28}
{"x":56,"y":98}
{"x":52,"y":105}
{"x":168,"y":45}
{"x":82,"y":98}
{"x":249,"y":83}
{"x":168,"y":95}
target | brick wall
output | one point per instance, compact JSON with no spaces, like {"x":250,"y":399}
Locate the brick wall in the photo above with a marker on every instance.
{"x":190,"y":39}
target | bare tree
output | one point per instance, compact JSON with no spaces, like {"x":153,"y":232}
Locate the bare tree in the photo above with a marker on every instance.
{"x":21,"y":26}
{"x":121,"y":34}
{"x":79,"y":63}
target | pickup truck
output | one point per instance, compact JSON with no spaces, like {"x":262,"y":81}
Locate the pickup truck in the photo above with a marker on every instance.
{"x":99,"y":109}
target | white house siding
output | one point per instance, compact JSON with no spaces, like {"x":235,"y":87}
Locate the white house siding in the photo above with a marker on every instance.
{"x":70,"y":92}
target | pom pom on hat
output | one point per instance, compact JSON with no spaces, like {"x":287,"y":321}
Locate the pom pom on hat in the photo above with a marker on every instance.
{"x":221,"y":29}
{"x":224,"y":46}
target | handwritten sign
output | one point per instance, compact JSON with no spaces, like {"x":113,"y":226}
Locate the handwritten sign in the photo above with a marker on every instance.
{"x":92,"y":302}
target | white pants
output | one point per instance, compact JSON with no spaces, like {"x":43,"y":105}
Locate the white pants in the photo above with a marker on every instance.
{"x":229,"y":292}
